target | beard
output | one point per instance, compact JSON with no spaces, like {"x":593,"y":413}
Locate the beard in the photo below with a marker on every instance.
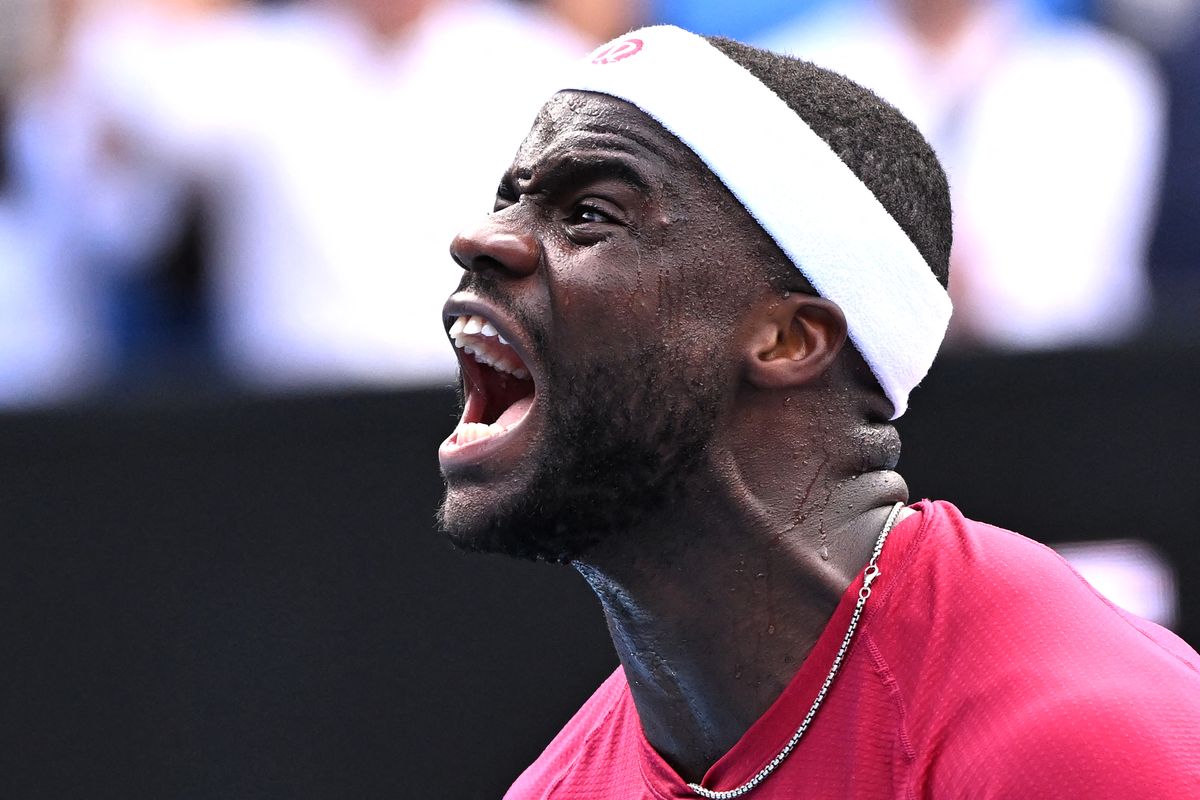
{"x":625,"y":437}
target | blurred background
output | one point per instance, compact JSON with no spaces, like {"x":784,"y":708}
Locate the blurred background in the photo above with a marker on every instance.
{"x":223,"y":253}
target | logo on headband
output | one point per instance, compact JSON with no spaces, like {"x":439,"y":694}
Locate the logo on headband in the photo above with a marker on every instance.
{"x":615,"y":51}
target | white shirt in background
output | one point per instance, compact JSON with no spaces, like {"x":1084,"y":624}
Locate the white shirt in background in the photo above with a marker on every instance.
{"x":337,"y":169}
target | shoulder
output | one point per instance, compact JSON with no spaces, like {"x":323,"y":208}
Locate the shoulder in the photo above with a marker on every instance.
{"x":1042,"y":686}
{"x":1004,"y":591}
{"x":982,"y":564}
{"x":1104,"y":742}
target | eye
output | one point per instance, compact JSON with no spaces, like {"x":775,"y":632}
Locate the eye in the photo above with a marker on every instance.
{"x":505,"y":197}
{"x":588,"y":213}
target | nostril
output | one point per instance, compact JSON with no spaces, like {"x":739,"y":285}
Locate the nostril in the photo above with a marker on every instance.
{"x":484,"y":263}
{"x":463,"y":251}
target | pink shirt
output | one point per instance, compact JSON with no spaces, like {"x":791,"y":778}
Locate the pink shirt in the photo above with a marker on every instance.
{"x":984,"y":667}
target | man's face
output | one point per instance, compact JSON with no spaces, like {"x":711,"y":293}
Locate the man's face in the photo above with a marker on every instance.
{"x":591,"y":329}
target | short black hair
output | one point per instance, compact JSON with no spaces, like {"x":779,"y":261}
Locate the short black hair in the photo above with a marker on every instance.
{"x":878,"y":143}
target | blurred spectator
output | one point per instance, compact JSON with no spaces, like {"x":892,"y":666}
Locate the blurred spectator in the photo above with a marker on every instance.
{"x":52,"y":342}
{"x":747,"y":20}
{"x":1051,"y":135}
{"x":1160,"y":25}
{"x":335,"y":147}
{"x":600,"y":20}
{"x":1175,"y":256}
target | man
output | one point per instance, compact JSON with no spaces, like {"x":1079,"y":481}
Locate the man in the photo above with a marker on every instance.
{"x":710,"y":281}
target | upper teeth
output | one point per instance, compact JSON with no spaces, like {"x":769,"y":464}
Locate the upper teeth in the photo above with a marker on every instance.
{"x":477,"y":336}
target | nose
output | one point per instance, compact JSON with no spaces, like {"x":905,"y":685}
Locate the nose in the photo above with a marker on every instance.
{"x":493,"y":245}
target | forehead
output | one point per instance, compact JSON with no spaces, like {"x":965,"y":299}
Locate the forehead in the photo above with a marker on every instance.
{"x":572,"y":122}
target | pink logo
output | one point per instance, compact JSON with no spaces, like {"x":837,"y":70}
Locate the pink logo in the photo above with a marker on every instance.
{"x":617,"y":50}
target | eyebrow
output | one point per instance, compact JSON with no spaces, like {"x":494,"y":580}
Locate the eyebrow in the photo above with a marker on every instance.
{"x":579,"y":167}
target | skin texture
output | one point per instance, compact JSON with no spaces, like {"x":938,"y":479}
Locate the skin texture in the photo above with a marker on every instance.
{"x":763,"y":460}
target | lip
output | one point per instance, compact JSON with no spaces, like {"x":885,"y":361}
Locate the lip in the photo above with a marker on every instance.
{"x":504,"y":449}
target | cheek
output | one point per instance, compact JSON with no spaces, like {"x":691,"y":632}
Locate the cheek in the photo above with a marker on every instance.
{"x":676,"y":284}
{"x":711,"y":284}
{"x":610,"y":289}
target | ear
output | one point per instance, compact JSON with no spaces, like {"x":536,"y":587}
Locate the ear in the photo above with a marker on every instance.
{"x":793,"y":341}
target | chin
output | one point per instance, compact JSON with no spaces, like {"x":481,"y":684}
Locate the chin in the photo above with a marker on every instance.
{"x":513,"y":528}
{"x":470,"y":526}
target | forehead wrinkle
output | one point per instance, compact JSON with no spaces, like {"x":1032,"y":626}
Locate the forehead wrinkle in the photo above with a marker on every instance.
{"x":574,"y":144}
{"x":588,"y":165}
{"x":637,"y":133}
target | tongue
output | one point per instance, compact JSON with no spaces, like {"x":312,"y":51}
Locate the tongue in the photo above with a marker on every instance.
{"x":516,"y":411}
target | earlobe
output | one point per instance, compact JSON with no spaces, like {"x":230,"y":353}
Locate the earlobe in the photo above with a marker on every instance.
{"x":794,"y":341}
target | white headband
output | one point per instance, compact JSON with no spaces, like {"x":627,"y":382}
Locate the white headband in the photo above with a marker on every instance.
{"x":819,"y":213}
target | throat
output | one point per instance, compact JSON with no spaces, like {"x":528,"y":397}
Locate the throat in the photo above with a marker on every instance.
{"x":704,"y":663}
{"x":713,"y":611}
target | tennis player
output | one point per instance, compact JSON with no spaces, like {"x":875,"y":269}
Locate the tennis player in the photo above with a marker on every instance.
{"x":712,"y":278}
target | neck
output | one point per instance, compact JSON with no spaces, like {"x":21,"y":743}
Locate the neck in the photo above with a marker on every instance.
{"x":386,"y":22}
{"x":938,"y":24}
{"x":713,"y":606}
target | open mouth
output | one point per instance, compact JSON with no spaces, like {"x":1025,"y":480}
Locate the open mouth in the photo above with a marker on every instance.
{"x":499,"y":387}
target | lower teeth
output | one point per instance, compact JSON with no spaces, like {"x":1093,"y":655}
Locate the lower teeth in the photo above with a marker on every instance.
{"x":473,"y":431}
